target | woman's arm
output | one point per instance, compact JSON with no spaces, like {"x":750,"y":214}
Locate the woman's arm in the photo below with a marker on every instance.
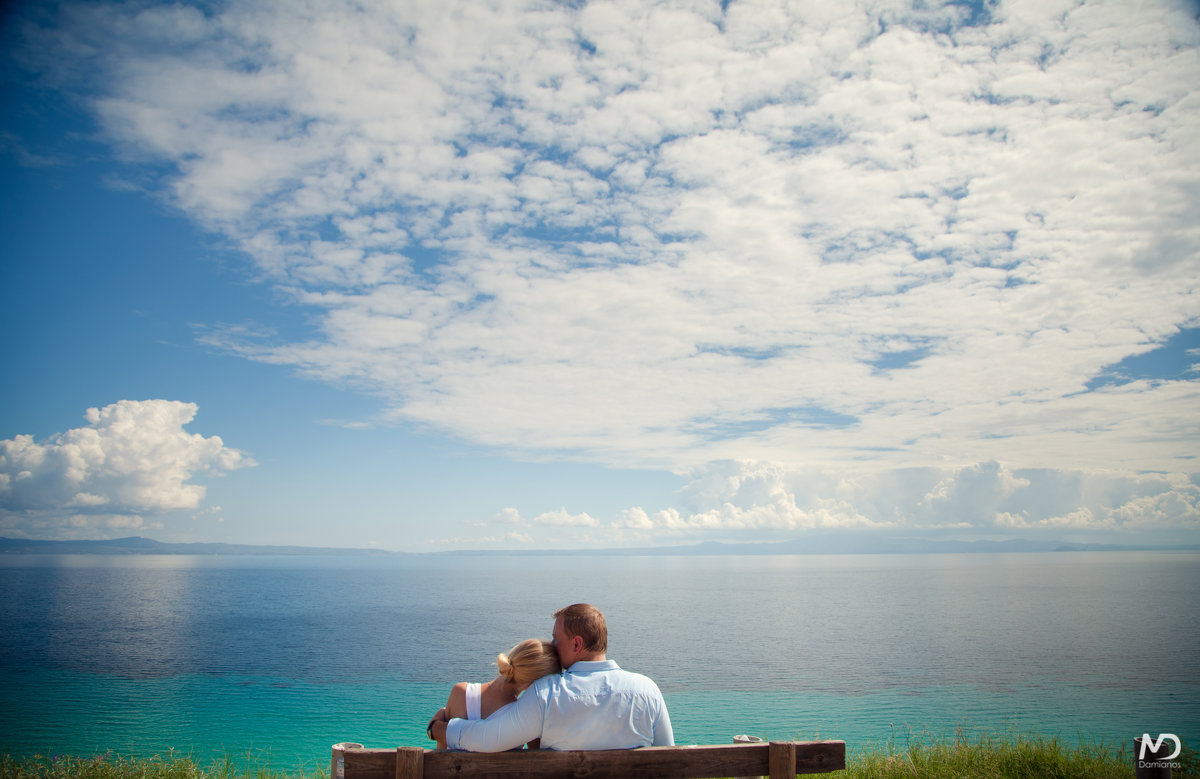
{"x":456,"y":706}
{"x":436,"y":729}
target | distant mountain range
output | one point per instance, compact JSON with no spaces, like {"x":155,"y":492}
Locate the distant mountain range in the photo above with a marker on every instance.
{"x":814,"y":545}
{"x":138,"y":545}
{"x":850,"y":545}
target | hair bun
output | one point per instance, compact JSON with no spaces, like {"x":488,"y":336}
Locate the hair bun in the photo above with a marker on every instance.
{"x":506,"y":669}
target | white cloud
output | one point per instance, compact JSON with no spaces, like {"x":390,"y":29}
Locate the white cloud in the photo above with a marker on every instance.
{"x":133,"y":457}
{"x":887,"y":239}
{"x":737,"y":500}
{"x":724,"y":500}
{"x":509,"y":516}
{"x":635,"y":519}
{"x":986,"y":497}
{"x":563,"y":519}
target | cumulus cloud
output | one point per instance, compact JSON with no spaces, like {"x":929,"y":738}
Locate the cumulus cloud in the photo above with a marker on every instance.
{"x":685,"y":233}
{"x":985,"y":497}
{"x":132,"y":458}
{"x":557,"y":518}
{"x":723,"y":500}
{"x":562,"y":518}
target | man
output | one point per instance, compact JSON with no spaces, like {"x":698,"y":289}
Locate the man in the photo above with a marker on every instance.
{"x":593,"y":704}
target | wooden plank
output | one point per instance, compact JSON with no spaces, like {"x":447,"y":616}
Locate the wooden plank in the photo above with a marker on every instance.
{"x":369,"y":763}
{"x":686,"y":762}
{"x":644,"y":763}
{"x":820,"y":757}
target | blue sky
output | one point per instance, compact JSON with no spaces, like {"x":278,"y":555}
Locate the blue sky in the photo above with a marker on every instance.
{"x":563,"y":275}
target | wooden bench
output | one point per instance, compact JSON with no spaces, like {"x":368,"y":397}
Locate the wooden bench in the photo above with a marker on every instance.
{"x":778,"y":759}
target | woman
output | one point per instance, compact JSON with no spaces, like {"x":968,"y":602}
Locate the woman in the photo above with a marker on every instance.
{"x":524,"y":664}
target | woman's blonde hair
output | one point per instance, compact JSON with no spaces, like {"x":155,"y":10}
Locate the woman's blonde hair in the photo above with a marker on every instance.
{"x":528,"y":661}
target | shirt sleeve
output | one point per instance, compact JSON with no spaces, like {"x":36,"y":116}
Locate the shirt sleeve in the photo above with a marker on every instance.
{"x":508,"y":728}
{"x":663,"y":735}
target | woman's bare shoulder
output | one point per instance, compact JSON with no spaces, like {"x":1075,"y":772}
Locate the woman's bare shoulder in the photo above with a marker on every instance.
{"x":456,"y":705}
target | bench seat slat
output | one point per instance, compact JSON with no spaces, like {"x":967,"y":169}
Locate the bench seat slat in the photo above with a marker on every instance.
{"x":680,"y":762}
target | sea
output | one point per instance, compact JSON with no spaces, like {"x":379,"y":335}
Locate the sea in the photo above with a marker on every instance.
{"x":270,"y":660}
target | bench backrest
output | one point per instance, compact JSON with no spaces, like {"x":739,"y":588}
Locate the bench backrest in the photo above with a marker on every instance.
{"x":778,"y":759}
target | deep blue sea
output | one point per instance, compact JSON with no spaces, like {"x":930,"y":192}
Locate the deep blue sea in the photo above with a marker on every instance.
{"x":277,"y":658}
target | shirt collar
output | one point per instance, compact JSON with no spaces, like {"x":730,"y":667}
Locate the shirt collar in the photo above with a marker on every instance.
{"x":591,"y":666}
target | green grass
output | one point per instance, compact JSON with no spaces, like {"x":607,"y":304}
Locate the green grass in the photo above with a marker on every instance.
{"x":171,"y":766}
{"x":1013,"y":756}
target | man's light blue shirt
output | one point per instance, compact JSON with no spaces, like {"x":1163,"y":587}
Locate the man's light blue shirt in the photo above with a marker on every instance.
{"x":591,"y":705}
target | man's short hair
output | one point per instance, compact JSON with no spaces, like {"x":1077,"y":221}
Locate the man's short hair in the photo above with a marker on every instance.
{"x":587,"y":622}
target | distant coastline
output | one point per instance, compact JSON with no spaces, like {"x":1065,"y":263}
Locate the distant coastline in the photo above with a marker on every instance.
{"x":137,"y":545}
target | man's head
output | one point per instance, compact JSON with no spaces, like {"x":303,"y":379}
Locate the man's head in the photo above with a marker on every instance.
{"x":580,"y":633}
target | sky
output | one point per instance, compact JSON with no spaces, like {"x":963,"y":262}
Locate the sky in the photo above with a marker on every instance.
{"x":445,"y":275}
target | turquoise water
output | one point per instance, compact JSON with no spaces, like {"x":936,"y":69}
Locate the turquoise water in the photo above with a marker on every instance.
{"x":277,"y":658}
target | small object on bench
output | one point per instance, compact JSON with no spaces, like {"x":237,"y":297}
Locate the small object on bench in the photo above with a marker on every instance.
{"x":778,"y":759}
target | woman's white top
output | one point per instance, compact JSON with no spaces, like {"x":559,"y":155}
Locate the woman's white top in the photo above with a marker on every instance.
{"x":474,"y":701}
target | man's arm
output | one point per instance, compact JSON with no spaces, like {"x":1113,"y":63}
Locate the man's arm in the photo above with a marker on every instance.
{"x":663,"y":735}
{"x":508,"y":728}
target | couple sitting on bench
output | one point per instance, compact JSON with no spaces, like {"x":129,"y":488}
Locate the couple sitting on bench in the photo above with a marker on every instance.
{"x":576,"y":699}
